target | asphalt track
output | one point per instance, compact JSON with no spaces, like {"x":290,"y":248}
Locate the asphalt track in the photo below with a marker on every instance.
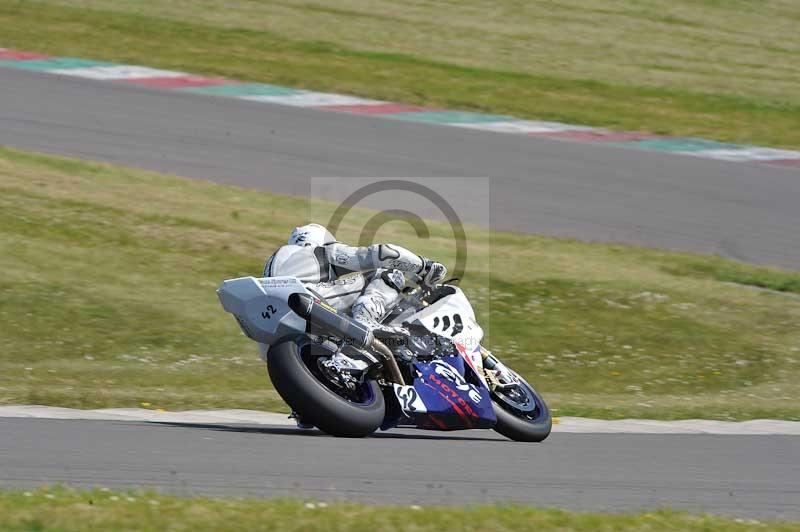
{"x":748,"y":476}
{"x":748,"y":211}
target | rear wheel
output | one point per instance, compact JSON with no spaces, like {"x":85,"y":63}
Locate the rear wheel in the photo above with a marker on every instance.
{"x":299,"y":378}
{"x":522,"y":414}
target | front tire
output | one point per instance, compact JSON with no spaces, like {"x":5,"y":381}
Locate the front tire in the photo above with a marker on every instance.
{"x":519,"y":426}
{"x":316,"y":403}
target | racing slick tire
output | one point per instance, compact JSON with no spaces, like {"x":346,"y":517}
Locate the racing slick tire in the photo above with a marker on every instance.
{"x":521,"y":427}
{"x":318,"y":404}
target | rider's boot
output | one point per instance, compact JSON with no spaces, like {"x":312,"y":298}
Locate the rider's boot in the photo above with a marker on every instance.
{"x":300,"y":423}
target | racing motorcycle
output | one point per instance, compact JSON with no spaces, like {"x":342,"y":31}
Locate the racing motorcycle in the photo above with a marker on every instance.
{"x":338,"y":376}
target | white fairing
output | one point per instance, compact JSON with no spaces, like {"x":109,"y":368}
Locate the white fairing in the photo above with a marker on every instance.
{"x":260,"y":306}
{"x":453,"y":317}
{"x":444,"y":316}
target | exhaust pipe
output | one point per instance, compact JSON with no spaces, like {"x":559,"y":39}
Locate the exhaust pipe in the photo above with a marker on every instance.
{"x":328,"y":319}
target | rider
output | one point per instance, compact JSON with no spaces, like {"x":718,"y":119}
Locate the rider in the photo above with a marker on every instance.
{"x":364,"y":280}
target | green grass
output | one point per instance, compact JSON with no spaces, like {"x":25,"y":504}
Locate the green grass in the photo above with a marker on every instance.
{"x":68,"y":510}
{"x":107,"y":299}
{"x":724,"y":70}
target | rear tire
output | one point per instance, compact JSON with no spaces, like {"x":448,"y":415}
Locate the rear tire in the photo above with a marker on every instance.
{"x":317,"y":404}
{"x":523,"y":429}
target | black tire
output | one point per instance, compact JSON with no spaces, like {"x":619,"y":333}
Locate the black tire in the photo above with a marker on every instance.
{"x":523,"y":429}
{"x":315,"y":403}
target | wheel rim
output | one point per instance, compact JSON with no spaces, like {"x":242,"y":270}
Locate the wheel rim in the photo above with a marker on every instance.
{"x":363,"y":393}
{"x":522,"y":401}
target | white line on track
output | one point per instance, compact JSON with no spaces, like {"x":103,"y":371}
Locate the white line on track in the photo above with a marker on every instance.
{"x":311,"y":99}
{"x":564,"y":424}
{"x":523,"y":126}
{"x":118,"y":72}
{"x":745,"y":154}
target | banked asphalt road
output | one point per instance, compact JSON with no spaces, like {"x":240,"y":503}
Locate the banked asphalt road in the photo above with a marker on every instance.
{"x":747,"y":211}
{"x":742,"y":210}
{"x":747,"y":476}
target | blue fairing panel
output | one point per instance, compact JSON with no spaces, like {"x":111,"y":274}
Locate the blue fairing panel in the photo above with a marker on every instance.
{"x":442,"y":399}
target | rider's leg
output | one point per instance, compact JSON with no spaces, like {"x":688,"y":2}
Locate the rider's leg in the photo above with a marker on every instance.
{"x":381,"y":293}
{"x":342,"y":293}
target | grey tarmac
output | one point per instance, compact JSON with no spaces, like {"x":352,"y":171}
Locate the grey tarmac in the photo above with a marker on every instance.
{"x":747,"y":211}
{"x":748,"y":476}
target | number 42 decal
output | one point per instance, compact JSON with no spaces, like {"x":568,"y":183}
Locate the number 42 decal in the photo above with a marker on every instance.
{"x":267,"y":314}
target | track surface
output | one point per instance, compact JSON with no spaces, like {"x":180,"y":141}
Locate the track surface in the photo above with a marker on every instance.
{"x":746,"y":211}
{"x":752,"y":476}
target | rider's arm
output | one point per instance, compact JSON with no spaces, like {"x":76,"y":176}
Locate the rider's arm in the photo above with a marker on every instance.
{"x":361,"y":259}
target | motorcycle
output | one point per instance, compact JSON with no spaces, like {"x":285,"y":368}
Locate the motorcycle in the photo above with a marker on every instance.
{"x":338,"y":376}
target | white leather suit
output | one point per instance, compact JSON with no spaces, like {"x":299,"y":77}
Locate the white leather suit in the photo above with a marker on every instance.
{"x":363,"y":280}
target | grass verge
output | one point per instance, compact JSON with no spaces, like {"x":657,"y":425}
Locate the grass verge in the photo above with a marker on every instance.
{"x":107,"y":299}
{"x":723,"y":70}
{"x":68,"y":510}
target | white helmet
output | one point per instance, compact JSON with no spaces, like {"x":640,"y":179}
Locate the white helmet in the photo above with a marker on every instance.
{"x":311,"y":235}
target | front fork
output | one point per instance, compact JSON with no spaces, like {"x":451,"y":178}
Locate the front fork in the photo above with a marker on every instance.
{"x":497,"y":375}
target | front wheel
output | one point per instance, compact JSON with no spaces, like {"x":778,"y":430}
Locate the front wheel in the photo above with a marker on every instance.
{"x":295,"y":372}
{"x":522,"y":414}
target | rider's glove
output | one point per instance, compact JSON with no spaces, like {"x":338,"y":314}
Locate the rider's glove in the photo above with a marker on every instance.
{"x":432,"y":273}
